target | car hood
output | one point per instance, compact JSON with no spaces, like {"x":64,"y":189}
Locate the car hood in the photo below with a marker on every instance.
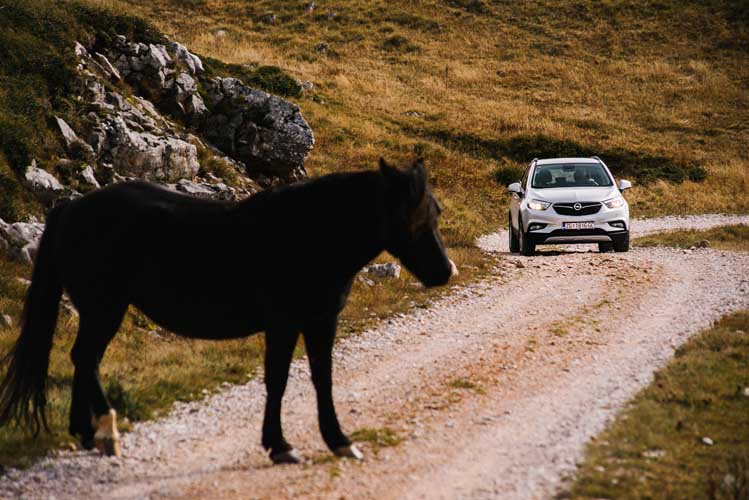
{"x":556,"y":195}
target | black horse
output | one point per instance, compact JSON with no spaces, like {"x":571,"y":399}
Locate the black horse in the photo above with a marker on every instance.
{"x":282,"y":262}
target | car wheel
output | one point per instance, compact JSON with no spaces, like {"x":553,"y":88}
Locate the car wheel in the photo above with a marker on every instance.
{"x":514,"y":243}
{"x":622,"y":245}
{"x":527,"y":248}
{"x":606,"y":247}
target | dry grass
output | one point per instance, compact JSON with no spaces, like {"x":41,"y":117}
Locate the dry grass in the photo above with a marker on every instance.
{"x":655,"y":449}
{"x":733,"y":238}
{"x":666,"y":79}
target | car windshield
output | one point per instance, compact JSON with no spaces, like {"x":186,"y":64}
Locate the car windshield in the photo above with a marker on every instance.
{"x":570,"y":175}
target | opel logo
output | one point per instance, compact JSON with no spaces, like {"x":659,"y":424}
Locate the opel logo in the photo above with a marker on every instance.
{"x":577,"y":206}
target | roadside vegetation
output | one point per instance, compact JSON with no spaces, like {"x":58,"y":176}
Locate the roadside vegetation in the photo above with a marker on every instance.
{"x":684,"y":436}
{"x":733,"y":238}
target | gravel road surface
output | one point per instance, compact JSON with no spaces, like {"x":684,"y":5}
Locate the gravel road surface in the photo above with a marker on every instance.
{"x":493,"y":391}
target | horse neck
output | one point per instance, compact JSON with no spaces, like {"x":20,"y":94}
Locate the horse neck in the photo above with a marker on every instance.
{"x":362,"y":216}
{"x":340,"y":220}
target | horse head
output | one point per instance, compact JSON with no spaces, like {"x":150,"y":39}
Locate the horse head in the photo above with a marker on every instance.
{"x":413,"y":236}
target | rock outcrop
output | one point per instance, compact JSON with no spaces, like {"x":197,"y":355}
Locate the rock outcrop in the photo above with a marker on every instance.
{"x":43,"y":184}
{"x":21,"y":239}
{"x":173,"y":123}
{"x":266,"y":133}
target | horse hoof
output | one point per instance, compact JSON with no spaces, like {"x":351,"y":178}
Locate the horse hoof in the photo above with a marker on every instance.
{"x":88,"y":443}
{"x":287,"y":457}
{"x":453,"y":268}
{"x":107,"y":437}
{"x":109,"y":447}
{"x":349,"y":451}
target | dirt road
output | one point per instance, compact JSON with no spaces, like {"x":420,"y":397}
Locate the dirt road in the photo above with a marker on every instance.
{"x":493,"y":391}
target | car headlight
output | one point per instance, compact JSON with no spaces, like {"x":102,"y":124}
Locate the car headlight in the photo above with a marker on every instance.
{"x":614,"y":202}
{"x":538,"y":205}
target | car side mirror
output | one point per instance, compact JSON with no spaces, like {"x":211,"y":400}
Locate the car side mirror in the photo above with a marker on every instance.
{"x":624,"y":185}
{"x":516,"y":188}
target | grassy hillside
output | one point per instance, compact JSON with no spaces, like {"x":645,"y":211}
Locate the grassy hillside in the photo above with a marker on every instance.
{"x":660,"y":88}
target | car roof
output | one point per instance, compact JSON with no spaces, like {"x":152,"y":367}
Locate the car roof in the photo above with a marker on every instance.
{"x":547,"y":161}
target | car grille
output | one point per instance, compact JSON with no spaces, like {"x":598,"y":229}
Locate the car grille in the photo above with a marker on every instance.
{"x":586,"y":208}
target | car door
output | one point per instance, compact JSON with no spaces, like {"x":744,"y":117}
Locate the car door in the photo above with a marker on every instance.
{"x":516,"y":199}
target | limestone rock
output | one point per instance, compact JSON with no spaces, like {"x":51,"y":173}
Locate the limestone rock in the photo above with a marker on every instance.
{"x":67,"y":133}
{"x":218,"y":191}
{"x":21,"y":239}
{"x":265,"y":132}
{"x":193,"y":62}
{"x":151,"y":157}
{"x":107,"y":66}
{"x":387,"y":270}
{"x":43,"y":184}
{"x":87,"y":174}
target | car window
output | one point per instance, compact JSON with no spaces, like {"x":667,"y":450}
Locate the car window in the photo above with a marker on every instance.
{"x":570,"y":175}
{"x":524,"y":182}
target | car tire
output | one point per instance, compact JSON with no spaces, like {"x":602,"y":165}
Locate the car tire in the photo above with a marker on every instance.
{"x":514,"y":243}
{"x":606,"y":247}
{"x":527,"y":248}
{"x":622,"y":245}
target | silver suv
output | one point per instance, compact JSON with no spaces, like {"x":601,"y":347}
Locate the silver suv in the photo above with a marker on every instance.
{"x":568,"y":200}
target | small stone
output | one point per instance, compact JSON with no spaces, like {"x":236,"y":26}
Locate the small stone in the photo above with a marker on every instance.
{"x":269,"y":18}
{"x":653,"y":453}
{"x":88,"y":176}
{"x":519,"y":264}
{"x":702,"y":244}
{"x":706,"y":440}
{"x":387,"y":270}
{"x":67,"y":133}
{"x":746,"y":392}
{"x":366,"y":281}
{"x":6,"y":321}
{"x":322,"y":47}
{"x":220,"y":33}
{"x":107,"y":66}
{"x":309,"y":7}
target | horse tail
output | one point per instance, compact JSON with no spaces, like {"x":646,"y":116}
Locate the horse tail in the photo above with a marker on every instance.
{"x":25,"y":382}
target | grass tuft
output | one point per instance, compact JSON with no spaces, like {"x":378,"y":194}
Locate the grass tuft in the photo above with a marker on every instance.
{"x":733,"y":238}
{"x":377,"y":438}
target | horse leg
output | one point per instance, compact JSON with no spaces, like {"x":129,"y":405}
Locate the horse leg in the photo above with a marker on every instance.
{"x":318,"y":339}
{"x":279,"y":348}
{"x":90,"y":414}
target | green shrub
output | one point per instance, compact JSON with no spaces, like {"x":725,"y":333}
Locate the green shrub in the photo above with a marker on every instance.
{"x":400,"y":44}
{"x":271,"y":79}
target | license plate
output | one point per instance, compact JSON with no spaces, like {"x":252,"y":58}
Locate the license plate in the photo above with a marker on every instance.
{"x":578,"y":225}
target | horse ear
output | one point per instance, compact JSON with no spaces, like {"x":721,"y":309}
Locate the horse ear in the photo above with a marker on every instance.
{"x":388,"y":171}
{"x":417,"y":181}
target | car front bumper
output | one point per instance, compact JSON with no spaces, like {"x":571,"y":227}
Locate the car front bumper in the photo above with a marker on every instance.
{"x":553,"y":231}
